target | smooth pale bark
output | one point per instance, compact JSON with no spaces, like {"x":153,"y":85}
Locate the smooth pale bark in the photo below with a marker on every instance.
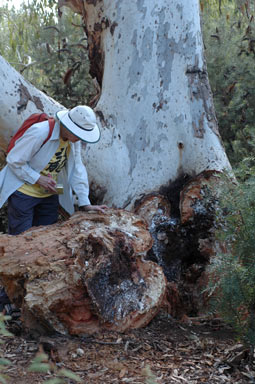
{"x":155,"y":110}
{"x":18,"y":100}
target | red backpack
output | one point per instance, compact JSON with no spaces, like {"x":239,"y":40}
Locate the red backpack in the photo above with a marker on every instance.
{"x":34,"y":118}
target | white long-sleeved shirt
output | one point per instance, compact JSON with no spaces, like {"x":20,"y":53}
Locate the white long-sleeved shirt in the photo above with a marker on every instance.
{"x":30,"y":156}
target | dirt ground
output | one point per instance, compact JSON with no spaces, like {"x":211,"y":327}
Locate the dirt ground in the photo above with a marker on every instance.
{"x":194,"y":351}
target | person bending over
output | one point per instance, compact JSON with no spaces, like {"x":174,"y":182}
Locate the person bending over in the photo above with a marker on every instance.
{"x":37,"y":163}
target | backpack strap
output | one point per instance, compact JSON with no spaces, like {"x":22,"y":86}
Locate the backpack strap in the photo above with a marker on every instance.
{"x":51,"y":127}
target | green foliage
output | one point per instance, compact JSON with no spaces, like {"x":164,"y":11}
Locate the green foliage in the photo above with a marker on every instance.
{"x":50,"y":51}
{"x":229,"y":37}
{"x":66,"y":66}
{"x":232,"y":283}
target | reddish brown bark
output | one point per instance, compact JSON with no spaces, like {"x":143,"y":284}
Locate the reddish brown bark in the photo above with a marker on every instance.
{"x":200,"y":193}
{"x":83,"y":275}
{"x":94,"y":25}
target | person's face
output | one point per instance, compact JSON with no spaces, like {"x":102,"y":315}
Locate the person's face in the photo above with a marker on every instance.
{"x":67,"y":135}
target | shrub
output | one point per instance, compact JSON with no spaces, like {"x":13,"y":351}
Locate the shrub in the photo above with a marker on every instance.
{"x":229,"y":38}
{"x":232,"y":271}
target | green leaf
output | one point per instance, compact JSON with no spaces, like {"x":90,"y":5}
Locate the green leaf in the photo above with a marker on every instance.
{"x":41,"y":357}
{"x":5,"y":333}
{"x":69,"y":375}
{"x":4,"y":361}
{"x":39,"y":367}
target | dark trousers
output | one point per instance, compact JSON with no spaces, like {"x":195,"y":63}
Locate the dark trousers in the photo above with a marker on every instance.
{"x":26,"y":211}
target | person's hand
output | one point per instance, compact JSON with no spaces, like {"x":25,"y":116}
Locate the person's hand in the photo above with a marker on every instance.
{"x":100,"y":208}
{"x":48,"y":183}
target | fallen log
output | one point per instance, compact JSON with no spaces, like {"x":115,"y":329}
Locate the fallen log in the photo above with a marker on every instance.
{"x":83,"y":275}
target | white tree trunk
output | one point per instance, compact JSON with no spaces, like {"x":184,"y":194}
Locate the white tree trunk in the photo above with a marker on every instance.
{"x":155,"y":110}
{"x":156,"y":107}
{"x":18,"y":100}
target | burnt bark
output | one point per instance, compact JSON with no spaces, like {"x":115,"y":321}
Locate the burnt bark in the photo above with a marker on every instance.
{"x":182,"y":222}
{"x":83,"y":275}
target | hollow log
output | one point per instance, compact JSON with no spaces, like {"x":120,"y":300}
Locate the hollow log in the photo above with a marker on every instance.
{"x":83,"y":275}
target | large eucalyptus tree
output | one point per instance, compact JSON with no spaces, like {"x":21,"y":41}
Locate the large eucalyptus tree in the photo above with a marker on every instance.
{"x":155,"y":107}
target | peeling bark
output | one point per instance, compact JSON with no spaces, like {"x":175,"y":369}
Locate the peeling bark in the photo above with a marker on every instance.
{"x":25,"y":97}
{"x":95,"y":23}
{"x":200,"y":90}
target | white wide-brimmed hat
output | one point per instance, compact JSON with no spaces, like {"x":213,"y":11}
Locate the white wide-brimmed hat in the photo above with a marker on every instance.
{"x":81,"y":122}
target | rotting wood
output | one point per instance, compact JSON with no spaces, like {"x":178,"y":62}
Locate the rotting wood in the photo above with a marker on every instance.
{"x":83,"y":275}
{"x":182,"y":225}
